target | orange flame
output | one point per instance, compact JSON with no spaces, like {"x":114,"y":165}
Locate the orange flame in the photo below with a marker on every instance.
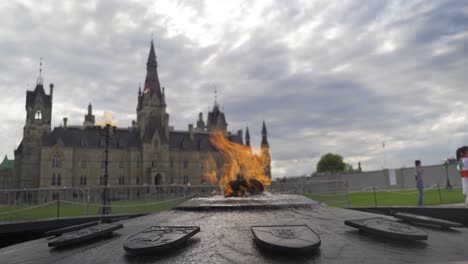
{"x":239,"y":161}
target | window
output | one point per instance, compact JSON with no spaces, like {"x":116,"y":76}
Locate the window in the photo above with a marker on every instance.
{"x":185,"y":179}
{"x":56,"y":162}
{"x":138,"y":180}
{"x":153,"y":163}
{"x":83,"y":164}
{"x":101,"y":182}
{"x":53,"y":179}
{"x":59,"y":179}
{"x":38,"y":115}
{"x":83,"y":180}
{"x":121,"y":180}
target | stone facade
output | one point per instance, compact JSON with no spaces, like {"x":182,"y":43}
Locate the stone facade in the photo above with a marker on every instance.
{"x":149,"y":152}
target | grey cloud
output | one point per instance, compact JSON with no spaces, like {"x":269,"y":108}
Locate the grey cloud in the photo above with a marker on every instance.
{"x":309,"y":109}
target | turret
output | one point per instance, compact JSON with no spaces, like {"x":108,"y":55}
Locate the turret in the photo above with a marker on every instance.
{"x":89,"y":119}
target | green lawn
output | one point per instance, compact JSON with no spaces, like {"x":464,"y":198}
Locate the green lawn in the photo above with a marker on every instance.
{"x":405,"y":198}
{"x":393,"y":198}
{"x":11,"y":213}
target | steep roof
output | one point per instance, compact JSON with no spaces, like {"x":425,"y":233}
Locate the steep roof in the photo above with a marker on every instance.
{"x":7,"y":163}
{"x":91,"y":137}
{"x":180,"y":140}
{"x":125,"y":138}
{"x":38,"y":92}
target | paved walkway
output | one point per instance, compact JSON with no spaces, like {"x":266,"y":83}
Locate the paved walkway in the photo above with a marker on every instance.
{"x":455,"y":205}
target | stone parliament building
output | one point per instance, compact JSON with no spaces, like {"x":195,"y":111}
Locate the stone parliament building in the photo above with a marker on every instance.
{"x":149,"y":152}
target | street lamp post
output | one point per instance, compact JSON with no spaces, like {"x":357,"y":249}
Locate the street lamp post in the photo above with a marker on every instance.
{"x":448,"y":185}
{"x":106,"y":127}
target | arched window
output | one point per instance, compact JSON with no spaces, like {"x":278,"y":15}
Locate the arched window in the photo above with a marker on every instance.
{"x":101,"y":182}
{"x":81,"y":180}
{"x":53,"y":179}
{"x":157,"y":179}
{"x":153,"y":163}
{"x":84,"y":180}
{"x":185,"y":179}
{"x":59,"y":179}
{"x":138,"y":180}
{"x":56,"y":162}
{"x":38,"y":115}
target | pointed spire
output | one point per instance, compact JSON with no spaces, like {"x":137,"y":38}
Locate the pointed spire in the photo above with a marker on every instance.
{"x":39,"y":79}
{"x":264,"y":130}
{"x":90,"y":109}
{"x":264,"y":135}
{"x":216,"y":96}
{"x":152,"y":57}
{"x":152,"y":79}
{"x":139,"y":89}
{"x":247,"y":137}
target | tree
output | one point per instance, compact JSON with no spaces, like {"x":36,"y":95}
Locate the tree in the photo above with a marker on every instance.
{"x":348,"y":167}
{"x":331,"y":162}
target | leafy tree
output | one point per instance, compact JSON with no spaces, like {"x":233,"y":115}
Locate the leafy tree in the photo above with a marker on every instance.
{"x":348,"y":167}
{"x":331,"y":162}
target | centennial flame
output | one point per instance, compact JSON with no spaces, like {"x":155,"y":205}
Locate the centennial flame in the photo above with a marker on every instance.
{"x":240,"y":163}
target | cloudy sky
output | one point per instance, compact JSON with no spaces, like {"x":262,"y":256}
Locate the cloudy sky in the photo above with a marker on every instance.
{"x":326,"y":76}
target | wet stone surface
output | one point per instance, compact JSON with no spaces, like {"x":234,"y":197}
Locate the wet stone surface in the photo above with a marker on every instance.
{"x":413,"y":218}
{"x":82,"y":235}
{"x":286,"y":238}
{"x":157,"y":238}
{"x":388,"y":228}
{"x":60,"y":231}
{"x":261,"y":201}
{"x":225,"y":237}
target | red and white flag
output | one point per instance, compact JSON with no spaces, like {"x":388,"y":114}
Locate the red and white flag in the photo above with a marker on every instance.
{"x":147,"y":90}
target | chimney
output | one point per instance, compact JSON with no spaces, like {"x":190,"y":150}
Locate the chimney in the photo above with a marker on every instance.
{"x":190,"y":129}
{"x":65,"y":122}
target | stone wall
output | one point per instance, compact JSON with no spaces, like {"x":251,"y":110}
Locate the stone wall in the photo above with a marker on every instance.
{"x":404,"y":178}
{"x":7,"y":179}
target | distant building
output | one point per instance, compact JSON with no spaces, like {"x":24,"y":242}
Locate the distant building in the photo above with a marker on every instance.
{"x":148,"y":152}
{"x":7,"y":179}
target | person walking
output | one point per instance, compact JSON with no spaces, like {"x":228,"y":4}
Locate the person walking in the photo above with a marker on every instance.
{"x":419,"y":181}
{"x":462,"y":166}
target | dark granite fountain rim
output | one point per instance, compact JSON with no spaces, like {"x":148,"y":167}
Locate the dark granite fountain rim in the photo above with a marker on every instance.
{"x":260,"y":202}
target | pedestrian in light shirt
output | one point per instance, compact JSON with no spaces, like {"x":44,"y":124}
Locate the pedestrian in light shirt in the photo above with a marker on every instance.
{"x":419,"y":181}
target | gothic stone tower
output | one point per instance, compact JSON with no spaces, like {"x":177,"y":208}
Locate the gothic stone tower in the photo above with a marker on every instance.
{"x":265,"y":150}
{"x":153,"y":125}
{"x":38,"y":124}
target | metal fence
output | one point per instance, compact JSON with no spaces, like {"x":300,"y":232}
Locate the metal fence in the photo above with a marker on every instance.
{"x":21,"y":204}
